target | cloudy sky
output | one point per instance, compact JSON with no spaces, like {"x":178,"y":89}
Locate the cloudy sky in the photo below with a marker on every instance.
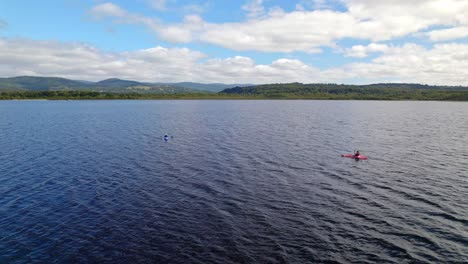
{"x":237,"y":41}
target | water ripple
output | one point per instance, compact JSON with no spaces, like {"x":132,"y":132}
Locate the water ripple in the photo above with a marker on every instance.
{"x":238,"y":182}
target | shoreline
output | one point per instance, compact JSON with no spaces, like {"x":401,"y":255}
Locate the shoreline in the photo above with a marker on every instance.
{"x":237,"y":99}
{"x":364,"y":95}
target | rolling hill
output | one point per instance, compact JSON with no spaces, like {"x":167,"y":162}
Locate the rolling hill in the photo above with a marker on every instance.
{"x":390,"y":91}
{"x":29,"y":83}
{"x":32,"y":83}
{"x":209,"y":87}
{"x":381,"y":91}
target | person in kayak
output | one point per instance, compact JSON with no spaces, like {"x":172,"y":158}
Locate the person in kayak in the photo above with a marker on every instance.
{"x":357,"y":154}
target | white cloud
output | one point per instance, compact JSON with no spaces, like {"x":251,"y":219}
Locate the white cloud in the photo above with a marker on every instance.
{"x":121,"y":16}
{"x":448,"y":34}
{"x":254,"y":8}
{"x":82,"y":61}
{"x":297,"y":31}
{"x":360,"y":51}
{"x":184,"y":32}
{"x":244,"y":70}
{"x":176,"y":33}
{"x":278,"y":31}
{"x":108,"y":10}
{"x":159,"y":64}
{"x":445,"y":64}
{"x":423,"y":11}
{"x":395,"y":18}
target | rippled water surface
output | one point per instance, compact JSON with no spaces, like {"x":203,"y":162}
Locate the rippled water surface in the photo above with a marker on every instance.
{"x":238,"y":182}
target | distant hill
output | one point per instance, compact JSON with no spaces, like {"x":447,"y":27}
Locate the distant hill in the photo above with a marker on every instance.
{"x":291,"y":90}
{"x":210,"y":87}
{"x":390,"y":91}
{"x":30,"y":83}
{"x":301,"y":89}
{"x":116,"y":83}
{"x":413,"y":86}
{"x":54,"y":89}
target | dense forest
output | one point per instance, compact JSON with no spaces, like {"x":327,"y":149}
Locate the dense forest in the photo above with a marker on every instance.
{"x":390,"y":91}
{"x":372,"y":94}
{"x":355,"y":92}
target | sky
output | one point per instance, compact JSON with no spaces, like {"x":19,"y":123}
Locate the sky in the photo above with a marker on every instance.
{"x":237,"y":41}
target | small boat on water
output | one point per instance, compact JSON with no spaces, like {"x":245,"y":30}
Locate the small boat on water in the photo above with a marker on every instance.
{"x":358,"y":157}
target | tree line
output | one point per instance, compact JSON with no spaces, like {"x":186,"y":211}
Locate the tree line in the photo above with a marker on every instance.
{"x":354,"y":92}
{"x":288,"y":91}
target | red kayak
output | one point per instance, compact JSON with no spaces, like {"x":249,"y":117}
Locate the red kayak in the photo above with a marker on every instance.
{"x":360,"y":157}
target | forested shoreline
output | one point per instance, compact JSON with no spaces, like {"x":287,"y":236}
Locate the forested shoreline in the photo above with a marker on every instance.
{"x":335,"y":94}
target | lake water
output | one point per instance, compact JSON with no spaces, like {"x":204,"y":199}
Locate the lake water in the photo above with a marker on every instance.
{"x":238,"y":182}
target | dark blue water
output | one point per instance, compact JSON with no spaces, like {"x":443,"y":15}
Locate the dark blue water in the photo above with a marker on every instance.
{"x":238,"y":182}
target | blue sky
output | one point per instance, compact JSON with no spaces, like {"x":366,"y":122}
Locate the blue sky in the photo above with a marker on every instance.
{"x":244,"y":41}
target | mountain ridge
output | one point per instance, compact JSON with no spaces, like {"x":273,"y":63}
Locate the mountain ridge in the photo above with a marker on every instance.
{"x":42,"y":83}
{"x":116,"y":85}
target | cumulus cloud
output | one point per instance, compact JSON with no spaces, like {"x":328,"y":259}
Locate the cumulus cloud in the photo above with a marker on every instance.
{"x":301,"y":30}
{"x":445,"y":64}
{"x":360,"y":51}
{"x":82,"y":61}
{"x":158,"y":64}
{"x":448,"y":34}
{"x":385,"y":20}
{"x":254,"y":8}
{"x":176,"y":33}
{"x":122,"y":16}
{"x":281,"y":32}
{"x":107,"y":10}
{"x":297,"y":31}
